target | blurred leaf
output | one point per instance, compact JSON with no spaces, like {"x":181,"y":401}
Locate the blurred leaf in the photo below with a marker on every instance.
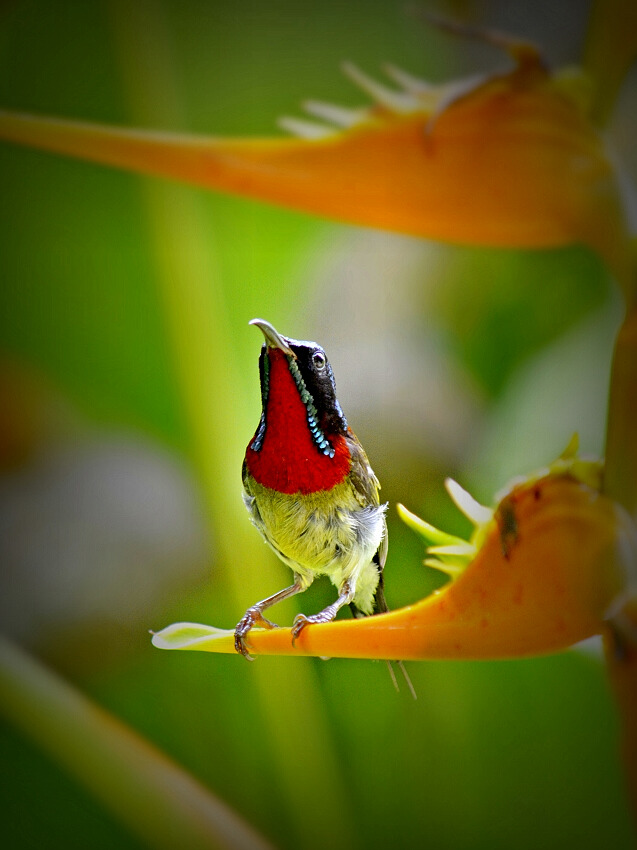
{"x":155,"y":798}
{"x":496,"y":327}
{"x":562,"y":388}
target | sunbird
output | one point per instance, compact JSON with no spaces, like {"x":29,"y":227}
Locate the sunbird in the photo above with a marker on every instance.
{"x":309,"y":488}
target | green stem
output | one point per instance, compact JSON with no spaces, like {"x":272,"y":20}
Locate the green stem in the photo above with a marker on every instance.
{"x":620,"y":478}
{"x":214,"y":395}
{"x":620,"y":483}
{"x":158,"y":800}
{"x":610,"y":50}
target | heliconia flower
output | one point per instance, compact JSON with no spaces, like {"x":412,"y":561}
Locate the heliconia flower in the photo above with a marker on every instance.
{"x":510,"y":159}
{"x":542,"y":571}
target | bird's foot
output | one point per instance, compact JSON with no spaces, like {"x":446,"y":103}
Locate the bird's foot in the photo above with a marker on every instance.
{"x":252,"y":617}
{"x":302,"y":620}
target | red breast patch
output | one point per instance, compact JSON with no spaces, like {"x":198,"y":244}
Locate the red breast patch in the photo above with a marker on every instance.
{"x":289,"y":460}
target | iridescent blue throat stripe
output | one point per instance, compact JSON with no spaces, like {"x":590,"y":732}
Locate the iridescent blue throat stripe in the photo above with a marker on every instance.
{"x":318,"y":437}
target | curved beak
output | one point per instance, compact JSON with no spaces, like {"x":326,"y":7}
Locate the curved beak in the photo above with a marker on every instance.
{"x":272,"y":337}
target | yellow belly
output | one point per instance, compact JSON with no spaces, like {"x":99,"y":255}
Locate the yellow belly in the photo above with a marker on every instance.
{"x":324,"y":533}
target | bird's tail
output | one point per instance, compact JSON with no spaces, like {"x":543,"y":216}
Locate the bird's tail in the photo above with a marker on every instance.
{"x":381,"y":607}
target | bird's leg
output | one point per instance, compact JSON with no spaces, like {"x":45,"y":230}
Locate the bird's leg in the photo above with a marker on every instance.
{"x":254,"y":615}
{"x":327,"y":614}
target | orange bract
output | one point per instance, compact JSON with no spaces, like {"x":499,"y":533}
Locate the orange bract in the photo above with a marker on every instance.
{"x":543,"y":589}
{"x":508,"y":161}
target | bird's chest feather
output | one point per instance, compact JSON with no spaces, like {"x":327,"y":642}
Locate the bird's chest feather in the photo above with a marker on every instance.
{"x":317,"y":533}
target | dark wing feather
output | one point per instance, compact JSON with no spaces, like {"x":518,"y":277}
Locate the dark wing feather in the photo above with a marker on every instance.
{"x":367,"y":486}
{"x":361,"y":474}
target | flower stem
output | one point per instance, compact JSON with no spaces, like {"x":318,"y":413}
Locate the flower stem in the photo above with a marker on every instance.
{"x":620,"y":483}
{"x":620,"y":480}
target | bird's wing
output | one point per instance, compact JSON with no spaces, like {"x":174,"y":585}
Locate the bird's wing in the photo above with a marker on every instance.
{"x":366,"y":486}
{"x":362,"y":476}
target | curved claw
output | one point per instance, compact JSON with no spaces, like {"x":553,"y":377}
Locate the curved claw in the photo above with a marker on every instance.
{"x":252,"y":617}
{"x":302,"y":620}
{"x":239,"y":640}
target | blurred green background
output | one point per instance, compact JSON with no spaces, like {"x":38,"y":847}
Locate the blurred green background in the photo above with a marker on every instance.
{"x":129,"y":388}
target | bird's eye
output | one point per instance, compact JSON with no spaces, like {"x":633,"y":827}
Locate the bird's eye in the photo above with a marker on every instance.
{"x":319,"y":360}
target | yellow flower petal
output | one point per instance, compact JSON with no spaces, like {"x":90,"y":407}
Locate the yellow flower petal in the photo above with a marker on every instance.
{"x":473,"y":510}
